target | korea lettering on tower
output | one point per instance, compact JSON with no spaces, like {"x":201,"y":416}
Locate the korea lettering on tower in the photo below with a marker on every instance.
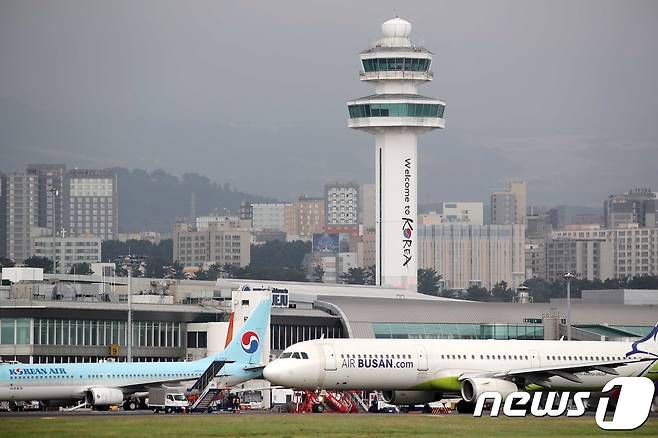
{"x":407,"y":221}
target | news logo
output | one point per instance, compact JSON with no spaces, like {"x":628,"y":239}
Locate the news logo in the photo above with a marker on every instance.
{"x":631,"y":411}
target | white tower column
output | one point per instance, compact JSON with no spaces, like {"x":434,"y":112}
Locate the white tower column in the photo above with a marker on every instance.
{"x":395,"y":114}
{"x":396,"y":208}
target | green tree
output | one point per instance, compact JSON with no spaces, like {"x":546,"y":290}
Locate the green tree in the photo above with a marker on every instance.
{"x":477,"y":293}
{"x":6,"y":263}
{"x":371,"y":271}
{"x":354,"y":276}
{"x":501,"y":292}
{"x":80,"y":269}
{"x":317,"y":273}
{"x":428,"y":281}
{"x":39,"y":262}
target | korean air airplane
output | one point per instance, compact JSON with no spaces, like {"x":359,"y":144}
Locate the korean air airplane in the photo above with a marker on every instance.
{"x":418,"y":371}
{"x":110,"y":383}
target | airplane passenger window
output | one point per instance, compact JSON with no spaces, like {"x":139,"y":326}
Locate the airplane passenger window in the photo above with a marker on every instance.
{"x":472,"y":356}
{"x":487,"y":357}
{"x":481,"y":357}
{"x":304,"y":355}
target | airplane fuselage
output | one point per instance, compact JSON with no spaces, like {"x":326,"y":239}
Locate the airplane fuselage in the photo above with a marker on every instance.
{"x":419,"y":364}
{"x":72,"y":381}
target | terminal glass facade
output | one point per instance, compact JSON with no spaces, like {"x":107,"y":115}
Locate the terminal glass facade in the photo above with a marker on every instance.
{"x":385,"y":330}
{"x":396,"y":110}
{"x":396,"y":64}
{"x":82,"y":332}
{"x":283,"y":336}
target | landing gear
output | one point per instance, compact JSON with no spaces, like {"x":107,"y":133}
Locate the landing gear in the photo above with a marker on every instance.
{"x":319,"y":408}
{"x":130,"y":405}
{"x":464,"y":407}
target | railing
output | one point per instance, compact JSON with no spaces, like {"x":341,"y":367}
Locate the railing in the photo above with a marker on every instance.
{"x":396,"y":74}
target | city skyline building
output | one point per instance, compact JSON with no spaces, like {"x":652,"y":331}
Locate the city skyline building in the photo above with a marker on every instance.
{"x":637,"y":206}
{"x":310,"y":216}
{"x":473,"y":255}
{"x":509,"y":206}
{"x":21,"y":210}
{"x":51,"y":184}
{"x":91,"y":204}
{"x":395,"y":115}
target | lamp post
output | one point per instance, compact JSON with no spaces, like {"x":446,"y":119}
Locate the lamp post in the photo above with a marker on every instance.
{"x":569,"y":276}
{"x":54,"y":192}
{"x":129,"y":262}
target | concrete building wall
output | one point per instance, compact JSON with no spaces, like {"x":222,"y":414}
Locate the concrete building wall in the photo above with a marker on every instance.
{"x":468,"y":255}
{"x":218,"y":244}
{"x":464,"y":212}
{"x":69,"y":250}
{"x":272,"y":216}
{"x":342,"y":203}
{"x":310,"y":216}
{"x":368,"y":206}
{"x":91,"y":203}
{"x":22,"y":214}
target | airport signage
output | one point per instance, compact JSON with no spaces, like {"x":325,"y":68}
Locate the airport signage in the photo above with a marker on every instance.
{"x":279,"y":297}
{"x":407,"y":222}
{"x":630,"y":412}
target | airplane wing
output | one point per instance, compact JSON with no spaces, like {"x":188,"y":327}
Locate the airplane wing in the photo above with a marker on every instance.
{"x":540,"y":375}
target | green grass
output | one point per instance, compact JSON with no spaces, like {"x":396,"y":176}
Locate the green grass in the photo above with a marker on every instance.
{"x":315,"y":425}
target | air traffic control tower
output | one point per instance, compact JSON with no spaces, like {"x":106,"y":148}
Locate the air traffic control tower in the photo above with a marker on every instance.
{"x":395,"y":114}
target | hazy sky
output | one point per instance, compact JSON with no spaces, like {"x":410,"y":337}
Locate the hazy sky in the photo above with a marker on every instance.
{"x":561,"y":93}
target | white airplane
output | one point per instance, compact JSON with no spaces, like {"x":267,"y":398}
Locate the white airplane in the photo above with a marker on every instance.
{"x":418,"y":371}
{"x":110,"y":383}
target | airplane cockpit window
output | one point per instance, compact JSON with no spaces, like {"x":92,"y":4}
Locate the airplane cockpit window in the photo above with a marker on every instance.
{"x":285,"y":355}
{"x":304,"y":355}
{"x":295,"y":355}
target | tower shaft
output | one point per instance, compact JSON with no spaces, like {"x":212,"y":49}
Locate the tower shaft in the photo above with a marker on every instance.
{"x":396,"y":208}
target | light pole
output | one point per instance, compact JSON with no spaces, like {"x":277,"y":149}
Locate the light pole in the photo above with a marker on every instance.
{"x":569,"y":276}
{"x":54,"y":192}
{"x":129,"y":262}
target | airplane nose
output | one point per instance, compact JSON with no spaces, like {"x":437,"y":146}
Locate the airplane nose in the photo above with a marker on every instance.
{"x":273,"y":372}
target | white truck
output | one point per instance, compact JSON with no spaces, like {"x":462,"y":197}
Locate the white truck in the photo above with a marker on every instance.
{"x":163,"y":399}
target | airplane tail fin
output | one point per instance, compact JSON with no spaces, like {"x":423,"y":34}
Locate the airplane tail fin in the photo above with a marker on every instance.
{"x":246,"y":345}
{"x":647,"y":344}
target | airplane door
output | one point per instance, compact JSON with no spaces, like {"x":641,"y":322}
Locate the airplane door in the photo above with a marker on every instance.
{"x":329,"y":358}
{"x":534,"y":358}
{"x":422,"y":358}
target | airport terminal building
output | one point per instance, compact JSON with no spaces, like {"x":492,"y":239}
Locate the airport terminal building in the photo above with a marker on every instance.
{"x":66,"y":318}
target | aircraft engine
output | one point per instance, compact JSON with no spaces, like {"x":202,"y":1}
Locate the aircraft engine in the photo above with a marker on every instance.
{"x":474,"y":387}
{"x":104,"y":396}
{"x":411,"y":397}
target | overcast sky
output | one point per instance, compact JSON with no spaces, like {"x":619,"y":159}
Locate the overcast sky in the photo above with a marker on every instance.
{"x":561,"y":93}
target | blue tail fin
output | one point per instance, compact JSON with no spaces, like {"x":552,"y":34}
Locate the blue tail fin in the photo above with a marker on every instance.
{"x":246,"y":346}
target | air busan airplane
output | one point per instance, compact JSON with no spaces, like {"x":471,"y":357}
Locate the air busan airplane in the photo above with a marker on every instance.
{"x":109,"y":383}
{"x":417,"y":371}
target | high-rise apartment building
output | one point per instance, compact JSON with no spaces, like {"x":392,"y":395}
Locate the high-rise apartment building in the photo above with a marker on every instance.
{"x":638,"y":206}
{"x":509,"y":207}
{"x":70,"y":250}
{"x":463,"y":212}
{"x":274,"y":217}
{"x":220,"y":243}
{"x":342,"y":204}
{"x":3,"y":218}
{"x":21,"y":206}
{"x":91,"y":203}
{"x":51,"y":184}
{"x":309,"y":216}
{"x":467,"y":255}
{"x":603,"y":253}
{"x":368,"y":208}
